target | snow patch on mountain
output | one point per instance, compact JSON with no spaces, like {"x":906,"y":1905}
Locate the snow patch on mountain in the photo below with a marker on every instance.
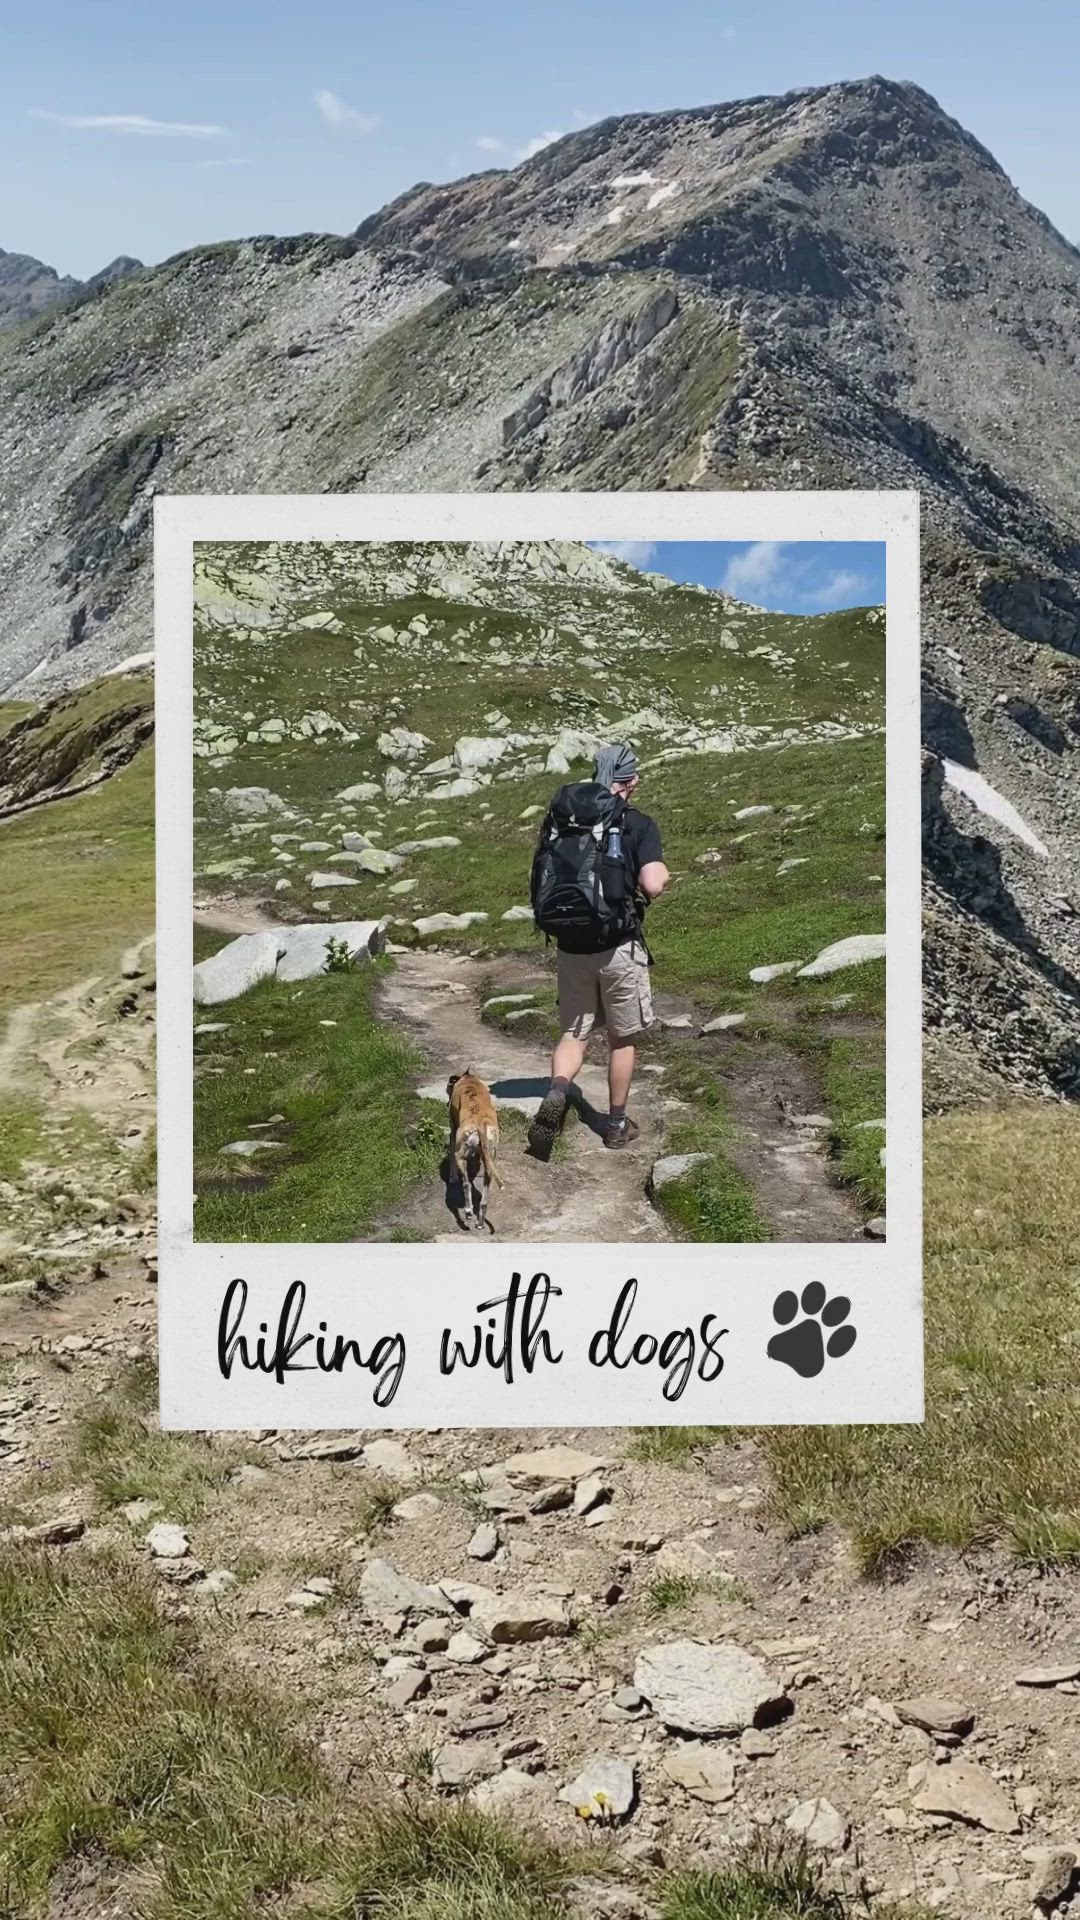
{"x":976,"y":788}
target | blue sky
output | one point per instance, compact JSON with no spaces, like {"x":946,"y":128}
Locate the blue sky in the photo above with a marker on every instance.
{"x":135,"y":128}
{"x":787,"y":576}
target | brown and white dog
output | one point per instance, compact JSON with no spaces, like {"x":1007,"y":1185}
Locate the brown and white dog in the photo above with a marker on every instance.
{"x":474,"y":1140}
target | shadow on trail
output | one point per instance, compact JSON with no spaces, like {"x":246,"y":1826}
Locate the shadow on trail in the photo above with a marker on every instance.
{"x":535,"y":1089}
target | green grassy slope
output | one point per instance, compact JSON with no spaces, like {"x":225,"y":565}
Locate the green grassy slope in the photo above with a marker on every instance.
{"x":79,"y":873}
{"x":354,"y":1136}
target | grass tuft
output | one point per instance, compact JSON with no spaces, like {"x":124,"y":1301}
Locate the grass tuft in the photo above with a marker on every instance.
{"x":769,"y":1882}
{"x":673,"y":1446}
{"x":119,"y":1447}
{"x":432,"y":1863}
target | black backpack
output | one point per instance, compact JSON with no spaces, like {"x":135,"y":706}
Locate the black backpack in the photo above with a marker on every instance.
{"x":577,"y":887}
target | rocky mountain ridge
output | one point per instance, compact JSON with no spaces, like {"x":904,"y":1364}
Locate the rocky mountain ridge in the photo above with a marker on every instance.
{"x":838,"y":287}
{"x":29,"y":287}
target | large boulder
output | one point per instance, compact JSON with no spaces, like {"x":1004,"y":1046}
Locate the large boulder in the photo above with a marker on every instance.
{"x":465,"y":784}
{"x":853,"y":952}
{"x":252,"y":802}
{"x":236,"y":968}
{"x":385,"y":1589}
{"x":305,"y":947}
{"x":289,"y":953}
{"x":512,"y":1618}
{"x":401,"y":744}
{"x":372,"y":859}
{"x":541,"y":1465}
{"x":604,"y":1790}
{"x":471,"y":752}
{"x":321,"y":622}
{"x":674,"y":1166}
{"x":963,"y":1790}
{"x":364,"y":790}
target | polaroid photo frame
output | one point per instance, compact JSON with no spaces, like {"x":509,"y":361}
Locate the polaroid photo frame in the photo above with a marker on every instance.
{"x":494,"y":1334}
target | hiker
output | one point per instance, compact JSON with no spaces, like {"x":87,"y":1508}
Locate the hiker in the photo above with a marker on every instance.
{"x":597,"y":865}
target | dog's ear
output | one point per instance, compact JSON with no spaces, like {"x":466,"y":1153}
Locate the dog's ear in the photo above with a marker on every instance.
{"x":452,"y":1083}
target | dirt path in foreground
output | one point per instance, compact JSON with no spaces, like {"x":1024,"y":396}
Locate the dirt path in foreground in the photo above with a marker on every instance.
{"x":846,"y":1650}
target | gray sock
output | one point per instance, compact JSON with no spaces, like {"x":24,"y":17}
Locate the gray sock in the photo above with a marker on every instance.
{"x":617,"y":1116}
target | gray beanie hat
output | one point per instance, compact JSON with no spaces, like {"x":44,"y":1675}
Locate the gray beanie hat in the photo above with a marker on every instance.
{"x":616,"y":764}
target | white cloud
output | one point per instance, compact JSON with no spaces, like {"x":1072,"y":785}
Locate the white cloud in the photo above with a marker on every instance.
{"x":842,"y":588}
{"x":137,"y":123}
{"x":760,"y":566}
{"x":490,"y":143}
{"x":343,"y":118}
{"x":636,"y":553}
{"x":537,"y":145}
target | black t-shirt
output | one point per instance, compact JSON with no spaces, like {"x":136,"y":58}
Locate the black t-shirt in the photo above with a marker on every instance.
{"x":641,"y":846}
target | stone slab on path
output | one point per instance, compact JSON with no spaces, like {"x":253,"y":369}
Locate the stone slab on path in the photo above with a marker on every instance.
{"x":696,"y":1688}
{"x":965,"y":1791}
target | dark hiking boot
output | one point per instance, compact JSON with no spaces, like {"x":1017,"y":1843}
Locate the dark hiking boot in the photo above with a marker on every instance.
{"x":546,"y":1125}
{"x":621,"y":1135}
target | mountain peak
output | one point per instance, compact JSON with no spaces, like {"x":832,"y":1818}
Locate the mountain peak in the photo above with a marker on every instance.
{"x":29,"y":287}
{"x":619,"y":189}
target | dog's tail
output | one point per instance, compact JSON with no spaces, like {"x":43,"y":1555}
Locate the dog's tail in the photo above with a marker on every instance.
{"x":488,"y":1163}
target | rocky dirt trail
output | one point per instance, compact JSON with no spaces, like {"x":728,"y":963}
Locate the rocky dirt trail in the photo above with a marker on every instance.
{"x":502,"y":1629}
{"x":781,"y":1154}
{"x":492,"y":1617}
{"x":584,"y":1192}
{"x":70,"y":1046}
{"x":587,"y":1193}
{"x":81,"y":1062}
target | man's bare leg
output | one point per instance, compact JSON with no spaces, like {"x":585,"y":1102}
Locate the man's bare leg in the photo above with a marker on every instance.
{"x":566,"y":1064}
{"x":621,"y":1059}
{"x":620,"y":1072}
{"x":568,"y":1058}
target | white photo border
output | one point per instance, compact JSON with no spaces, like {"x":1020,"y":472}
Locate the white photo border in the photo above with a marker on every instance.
{"x":410,"y":1293}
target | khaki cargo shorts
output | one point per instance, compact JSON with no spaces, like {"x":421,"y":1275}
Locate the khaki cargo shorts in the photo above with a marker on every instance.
{"x":611,"y":987}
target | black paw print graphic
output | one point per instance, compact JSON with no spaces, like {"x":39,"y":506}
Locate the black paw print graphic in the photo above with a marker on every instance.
{"x":803,"y":1347}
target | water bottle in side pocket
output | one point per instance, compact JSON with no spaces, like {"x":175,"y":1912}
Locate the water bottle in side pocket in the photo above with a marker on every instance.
{"x":614,"y":874}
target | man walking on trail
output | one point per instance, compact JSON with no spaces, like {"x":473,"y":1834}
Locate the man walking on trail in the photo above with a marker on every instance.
{"x":598,"y":864}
